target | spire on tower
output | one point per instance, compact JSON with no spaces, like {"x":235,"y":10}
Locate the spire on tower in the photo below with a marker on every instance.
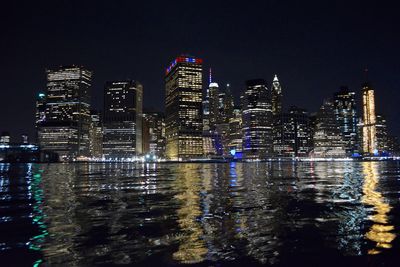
{"x":210,"y":77}
{"x":276,"y":78}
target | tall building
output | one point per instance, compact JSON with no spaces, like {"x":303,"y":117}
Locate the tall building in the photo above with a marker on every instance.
{"x":369,"y":120}
{"x":235,"y":132}
{"x":215,"y":105}
{"x":226,"y":105}
{"x":381,"y":134}
{"x":64,"y":128}
{"x":40,"y":114}
{"x":183,"y":122}
{"x":346,"y":117}
{"x":276,"y":96}
{"x":122,"y":119}
{"x":328,"y":140}
{"x":95,"y":135}
{"x":257,"y":120}
{"x":154,"y":134}
{"x":292,"y":134}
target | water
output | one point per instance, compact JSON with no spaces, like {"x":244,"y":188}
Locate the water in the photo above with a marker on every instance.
{"x":202,"y":214}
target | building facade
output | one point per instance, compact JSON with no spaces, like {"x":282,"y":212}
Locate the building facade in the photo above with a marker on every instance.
{"x":154,"y":134}
{"x":369,"y":120}
{"x":292,"y":134}
{"x":346,"y":117}
{"x":122,"y":119}
{"x":95,"y":135}
{"x":183,"y":122}
{"x":64,"y":127}
{"x":276,"y":96}
{"x":328,"y":140}
{"x":257,"y":120}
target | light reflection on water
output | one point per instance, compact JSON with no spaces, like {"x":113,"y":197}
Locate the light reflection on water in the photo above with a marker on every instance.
{"x":267,"y":213}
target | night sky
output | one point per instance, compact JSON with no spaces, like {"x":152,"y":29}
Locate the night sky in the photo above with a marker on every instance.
{"x":313,"y":46}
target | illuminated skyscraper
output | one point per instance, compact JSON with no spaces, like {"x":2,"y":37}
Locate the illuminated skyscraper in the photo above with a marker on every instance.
{"x":64,"y":128}
{"x":257,"y":120}
{"x":369,"y":120}
{"x":183,"y":91}
{"x":381,"y":134}
{"x":235,"y":134}
{"x":328,"y":140}
{"x":122,"y":121}
{"x":292,"y":133}
{"x":276,"y":95}
{"x":215,"y":105}
{"x":95,"y":135}
{"x":346,"y":117}
{"x":154,"y":134}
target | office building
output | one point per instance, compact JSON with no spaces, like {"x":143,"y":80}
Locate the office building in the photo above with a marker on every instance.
{"x":276,"y":96}
{"x":381,"y":135}
{"x":235,"y":133}
{"x":369,"y":120}
{"x":292,"y":133}
{"x":257,"y":120}
{"x":346,"y":117}
{"x":64,"y":127}
{"x":95,"y":135}
{"x":154,"y":134}
{"x":328,"y":140}
{"x":122,"y":120}
{"x":183,"y":122}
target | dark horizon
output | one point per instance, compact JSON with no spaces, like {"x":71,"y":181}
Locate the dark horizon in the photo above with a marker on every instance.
{"x":314,"y":48}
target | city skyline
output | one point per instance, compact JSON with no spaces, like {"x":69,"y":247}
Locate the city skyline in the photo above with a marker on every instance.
{"x":312,"y":58}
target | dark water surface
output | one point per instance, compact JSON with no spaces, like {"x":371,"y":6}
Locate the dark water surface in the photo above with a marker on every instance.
{"x":284,"y":214}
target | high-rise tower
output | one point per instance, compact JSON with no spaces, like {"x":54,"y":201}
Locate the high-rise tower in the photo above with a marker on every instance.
{"x":346,"y":117}
{"x":276,"y":95}
{"x":257,"y":120}
{"x":64,"y":129}
{"x":122,"y":122}
{"x":369,"y":120}
{"x":183,"y":92}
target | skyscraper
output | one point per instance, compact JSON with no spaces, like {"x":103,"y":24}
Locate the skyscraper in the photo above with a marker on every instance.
{"x":369,"y":120}
{"x":346,"y":117}
{"x":292,"y":133}
{"x":276,"y":95}
{"x":257,"y":120}
{"x":95,"y":135}
{"x":64,"y":129}
{"x":235,"y":132}
{"x":381,"y":134}
{"x":184,"y":126}
{"x":122,"y":121}
{"x":154,"y":134}
{"x":328,"y":140}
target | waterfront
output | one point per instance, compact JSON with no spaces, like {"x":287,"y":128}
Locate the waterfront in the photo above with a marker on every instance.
{"x":200,"y":213}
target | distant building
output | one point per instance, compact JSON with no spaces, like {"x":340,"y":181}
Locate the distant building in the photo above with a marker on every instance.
{"x":183,"y":122}
{"x":95,"y":135}
{"x":154,"y":134}
{"x":292,"y":134}
{"x":122,"y":119}
{"x":381,"y":135}
{"x":257,"y":120}
{"x":5,"y":138}
{"x":369,"y":120}
{"x":63,"y":127}
{"x":276,"y":96}
{"x":328,"y":140}
{"x":235,"y":132}
{"x":345,"y":112}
